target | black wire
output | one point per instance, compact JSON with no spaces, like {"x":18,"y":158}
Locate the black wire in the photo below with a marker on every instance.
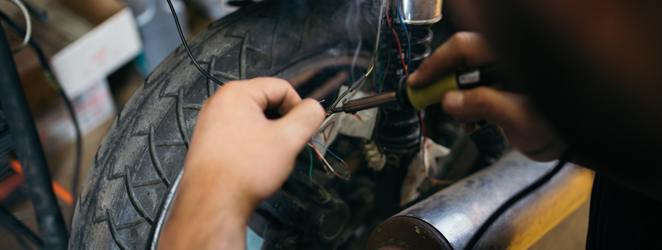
{"x":17,"y":236}
{"x":388,"y":64}
{"x":16,"y":226}
{"x":505,"y":206}
{"x":188,"y":50}
{"x":67,"y":102}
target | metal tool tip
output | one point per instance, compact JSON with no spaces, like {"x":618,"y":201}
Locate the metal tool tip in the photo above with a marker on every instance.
{"x":337,"y":109}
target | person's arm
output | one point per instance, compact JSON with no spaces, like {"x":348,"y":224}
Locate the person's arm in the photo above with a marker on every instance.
{"x":525,"y":129}
{"x":237,"y":158}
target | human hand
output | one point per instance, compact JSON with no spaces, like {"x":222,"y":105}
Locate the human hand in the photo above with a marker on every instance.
{"x":237,"y":158}
{"x":524,"y":128}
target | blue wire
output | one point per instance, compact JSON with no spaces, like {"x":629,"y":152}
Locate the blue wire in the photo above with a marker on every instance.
{"x":406,"y":33}
{"x":310,"y":172}
{"x":327,"y":150}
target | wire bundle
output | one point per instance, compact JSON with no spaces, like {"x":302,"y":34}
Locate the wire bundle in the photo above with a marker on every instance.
{"x":325,"y":163}
{"x":397,"y":40}
{"x":397,"y":9}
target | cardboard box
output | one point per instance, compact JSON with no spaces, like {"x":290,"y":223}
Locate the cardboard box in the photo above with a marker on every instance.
{"x":81,"y":56}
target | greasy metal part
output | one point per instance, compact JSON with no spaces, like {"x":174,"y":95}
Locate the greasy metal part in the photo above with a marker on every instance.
{"x":459,"y":210}
{"x":29,"y":151}
{"x":421,"y":37}
{"x":377,"y":100}
{"x":351,"y":89}
{"x":401,"y":130}
{"x":406,"y":233}
{"x":420,"y":12}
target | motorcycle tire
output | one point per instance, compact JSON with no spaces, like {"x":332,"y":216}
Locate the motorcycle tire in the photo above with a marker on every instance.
{"x":133,"y":178}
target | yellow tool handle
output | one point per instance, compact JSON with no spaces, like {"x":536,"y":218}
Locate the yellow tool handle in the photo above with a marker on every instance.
{"x":423,"y":97}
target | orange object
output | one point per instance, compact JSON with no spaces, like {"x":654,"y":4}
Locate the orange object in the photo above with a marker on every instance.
{"x":63,"y":193}
{"x":9,"y":184}
{"x":58,"y":189}
{"x":358,"y":117}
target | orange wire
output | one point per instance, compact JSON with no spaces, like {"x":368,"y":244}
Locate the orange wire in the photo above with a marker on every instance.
{"x":404,"y":65}
{"x":58,"y":189}
{"x":319,"y":157}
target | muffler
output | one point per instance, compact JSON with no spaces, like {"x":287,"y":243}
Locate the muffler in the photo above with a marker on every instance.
{"x":448,"y":219}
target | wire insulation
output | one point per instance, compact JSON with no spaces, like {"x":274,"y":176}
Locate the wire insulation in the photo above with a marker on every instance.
{"x":326,"y":163}
{"x":382,"y":9}
{"x":397,"y":9}
{"x":422,"y":136}
{"x":188,"y":50}
{"x":327,"y":150}
{"x":510,"y":202}
{"x":320,"y":158}
{"x":310,"y":172}
{"x":404,"y":66}
{"x":370,"y":70}
{"x":28,"y":25}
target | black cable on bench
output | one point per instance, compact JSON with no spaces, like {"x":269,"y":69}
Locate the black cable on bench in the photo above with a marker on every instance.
{"x":188,"y":50}
{"x":510,"y":202}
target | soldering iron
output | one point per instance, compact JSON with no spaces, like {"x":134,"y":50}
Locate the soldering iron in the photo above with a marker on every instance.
{"x":420,"y":98}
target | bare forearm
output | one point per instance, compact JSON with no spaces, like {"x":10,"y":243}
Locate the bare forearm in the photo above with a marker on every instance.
{"x":208,"y":214}
{"x":227,"y":174}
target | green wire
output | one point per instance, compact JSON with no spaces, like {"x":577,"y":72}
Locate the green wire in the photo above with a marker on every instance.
{"x":310,"y":172}
{"x":52,"y":80}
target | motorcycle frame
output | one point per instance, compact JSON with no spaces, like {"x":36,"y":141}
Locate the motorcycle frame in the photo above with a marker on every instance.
{"x":31,"y":156}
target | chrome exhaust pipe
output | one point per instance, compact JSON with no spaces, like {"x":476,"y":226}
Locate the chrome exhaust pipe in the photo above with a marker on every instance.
{"x":448,"y":219}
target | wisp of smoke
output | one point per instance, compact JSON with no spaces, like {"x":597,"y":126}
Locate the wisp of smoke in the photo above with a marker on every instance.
{"x":358,"y":25}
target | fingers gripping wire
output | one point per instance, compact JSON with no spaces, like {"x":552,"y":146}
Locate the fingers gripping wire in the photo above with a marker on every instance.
{"x":28,"y":25}
{"x":188,"y":50}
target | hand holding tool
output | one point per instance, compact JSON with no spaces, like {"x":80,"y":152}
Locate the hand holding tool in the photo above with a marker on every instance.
{"x":409,"y":98}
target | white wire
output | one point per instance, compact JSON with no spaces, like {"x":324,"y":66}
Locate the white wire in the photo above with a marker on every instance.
{"x":327,"y":164}
{"x":28,"y":25}
{"x":382,"y":8}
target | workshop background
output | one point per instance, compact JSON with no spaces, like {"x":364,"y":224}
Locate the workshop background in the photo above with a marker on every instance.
{"x":101,"y":51}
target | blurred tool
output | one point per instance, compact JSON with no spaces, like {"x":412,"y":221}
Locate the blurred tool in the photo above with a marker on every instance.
{"x":409,"y":98}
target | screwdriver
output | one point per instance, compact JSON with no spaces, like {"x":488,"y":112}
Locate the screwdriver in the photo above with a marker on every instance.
{"x":409,"y":98}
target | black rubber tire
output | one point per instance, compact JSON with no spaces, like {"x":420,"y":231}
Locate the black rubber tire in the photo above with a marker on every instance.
{"x":133,"y":177}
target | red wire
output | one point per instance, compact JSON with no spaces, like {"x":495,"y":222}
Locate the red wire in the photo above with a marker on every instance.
{"x":420,"y":117}
{"x":388,"y":21}
{"x":319,"y":157}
